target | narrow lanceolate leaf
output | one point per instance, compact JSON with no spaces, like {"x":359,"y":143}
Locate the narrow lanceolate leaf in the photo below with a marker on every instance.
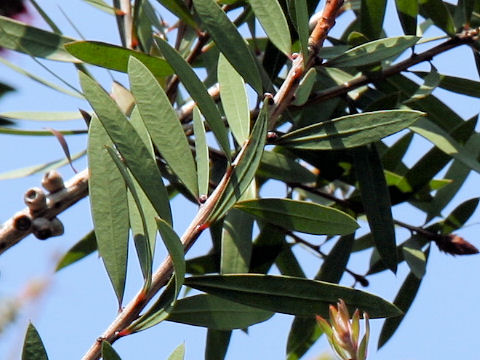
{"x":178,"y":8}
{"x":407,"y":11}
{"x":41,"y":115}
{"x":84,"y":247}
{"x":234,"y":99}
{"x":301,"y":17}
{"x":201,"y":153}
{"x":300,"y":216}
{"x":270,"y":15}
{"x":275,"y":165}
{"x":438,"y":12}
{"x":372,"y":13}
{"x":33,"y":348}
{"x":374,"y":51}
{"x":175,"y":250}
{"x":142,"y":243}
{"x":376,"y":202}
{"x":216,"y":346}
{"x":403,"y":300}
{"x":116,"y":57}
{"x":229,"y":41}
{"x":350,"y":131}
{"x":236,"y":243}
{"x":178,"y":353}
{"x":108,"y":201}
{"x":244,"y":167}
{"x":456,"y":84}
{"x":149,"y":230}
{"x":290,"y":295}
{"x":108,"y":353}
{"x":442,"y":140}
{"x":305,"y":87}
{"x":198,"y":92}
{"x":30,"y":170}
{"x":162,"y":124}
{"x":39,"y":79}
{"x":305,"y":331}
{"x":430,"y":83}
{"x":130,"y":146}
{"x":30,"y":40}
{"x":216,"y":313}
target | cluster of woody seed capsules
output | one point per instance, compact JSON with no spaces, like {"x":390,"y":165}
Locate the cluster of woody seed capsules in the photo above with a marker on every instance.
{"x":35,"y":219}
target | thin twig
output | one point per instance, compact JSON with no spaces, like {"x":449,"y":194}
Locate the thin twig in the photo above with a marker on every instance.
{"x":75,"y":190}
{"x":316,"y":248}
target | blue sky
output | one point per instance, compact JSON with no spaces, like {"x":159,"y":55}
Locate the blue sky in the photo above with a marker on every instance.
{"x":79,"y":302}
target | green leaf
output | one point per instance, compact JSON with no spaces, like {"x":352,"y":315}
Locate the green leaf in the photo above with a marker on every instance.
{"x":300,"y":216}
{"x":350,"y":131}
{"x":301,"y":19}
{"x":229,"y":41}
{"x":108,"y":353}
{"x":130,"y":146}
{"x":415,"y":259}
{"x":372,"y":14}
{"x":201,"y":153}
{"x":305,"y":87}
{"x":376,"y":202}
{"x":458,"y":172}
{"x":30,"y":170}
{"x":108,"y":201}
{"x":303,"y":334}
{"x":445,"y":142}
{"x":290,"y":295}
{"x":40,"y":80}
{"x":217,"y":344}
{"x":84,"y":247}
{"x":162,"y":124}
{"x":178,"y":8}
{"x":198,"y":92}
{"x":175,"y":250}
{"x":234,"y":100}
{"x":244,"y":167}
{"x":403,"y":300}
{"x":142,"y":243}
{"x":270,"y":15}
{"x":305,"y":331}
{"x":438,"y":12}
{"x":216,"y":313}
{"x":116,"y":57}
{"x":275,"y":165}
{"x":178,"y":353}
{"x":374,"y":51}
{"x":137,"y":219}
{"x":458,"y":85}
{"x":41,"y":115}
{"x":33,"y":348}
{"x":407,"y":11}
{"x":430,"y":83}
{"x":236,"y":243}
{"x":18,"y":36}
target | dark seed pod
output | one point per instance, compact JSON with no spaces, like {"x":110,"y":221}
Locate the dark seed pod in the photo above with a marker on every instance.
{"x":35,"y":199}
{"x":41,"y":228}
{"x":52,"y":181}
{"x":57,"y":227}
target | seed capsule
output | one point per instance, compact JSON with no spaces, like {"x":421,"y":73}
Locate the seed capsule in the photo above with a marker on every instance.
{"x":35,"y":199}
{"x":52,"y":181}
